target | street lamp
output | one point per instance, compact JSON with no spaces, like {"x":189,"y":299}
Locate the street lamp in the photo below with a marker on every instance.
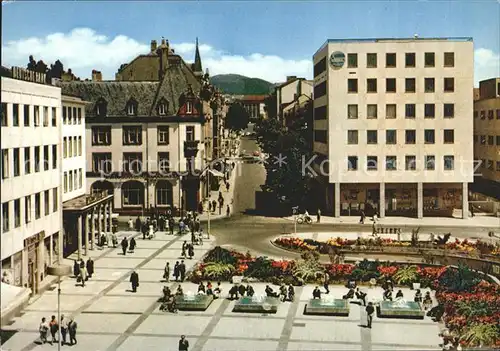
{"x":295,"y":210}
{"x":59,"y":271}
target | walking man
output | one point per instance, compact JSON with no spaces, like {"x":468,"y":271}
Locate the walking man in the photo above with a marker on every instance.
{"x":72,"y":331}
{"x":228,"y":211}
{"x":369,"y":313}
{"x":130,"y":224}
{"x":326,"y":283}
{"x":43,"y":329}
{"x":182,"y":270}
{"x":134,"y":280}
{"x":64,"y":329}
{"x":124,"y":246}
{"x":183,"y":344}
{"x":90,"y":267}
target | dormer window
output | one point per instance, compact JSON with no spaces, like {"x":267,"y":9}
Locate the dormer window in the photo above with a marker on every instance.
{"x":161,"y":109}
{"x":189,"y":107}
{"x":131,"y":107}
{"x":101,"y":108}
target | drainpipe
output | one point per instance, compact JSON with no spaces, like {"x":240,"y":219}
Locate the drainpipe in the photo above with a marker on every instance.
{"x":147,"y":166}
{"x":179,"y":162}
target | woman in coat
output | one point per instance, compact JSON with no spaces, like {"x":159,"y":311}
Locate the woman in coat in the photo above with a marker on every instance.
{"x":132,"y":244}
{"x":166,"y":272}
{"x":76,"y":269}
{"x":83,"y":275}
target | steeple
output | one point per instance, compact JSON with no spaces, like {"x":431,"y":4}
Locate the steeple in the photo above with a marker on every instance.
{"x":197,"y":60}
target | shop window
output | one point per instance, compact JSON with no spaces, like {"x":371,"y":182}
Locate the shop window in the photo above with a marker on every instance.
{"x":352,"y":163}
{"x":132,"y":193}
{"x":371,"y":163}
{"x":164,"y":193}
{"x":449,"y":162}
{"x":410,"y":59}
{"x":352,"y":111}
{"x":390,"y":85}
{"x":371,"y":60}
{"x":410,"y":162}
{"x":352,"y":137}
{"x":430,"y":162}
{"x":391,"y":163}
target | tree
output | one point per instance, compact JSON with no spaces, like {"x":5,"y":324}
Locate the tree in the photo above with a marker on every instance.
{"x":270,"y":103}
{"x":237,"y":117}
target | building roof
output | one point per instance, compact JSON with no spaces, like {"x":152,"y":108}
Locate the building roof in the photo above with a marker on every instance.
{"x":253,"y":98}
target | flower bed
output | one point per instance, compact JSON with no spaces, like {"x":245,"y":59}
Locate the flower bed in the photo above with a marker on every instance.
{"x":376,"y":244}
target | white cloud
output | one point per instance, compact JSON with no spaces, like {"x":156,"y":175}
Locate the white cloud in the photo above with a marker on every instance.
{"x":83,"y":50}
{"x":487,"y":65}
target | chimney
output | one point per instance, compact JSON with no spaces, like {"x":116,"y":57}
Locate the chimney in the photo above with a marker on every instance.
{"x":153,"y":46}
{"x":290,"y":78}
{"x":96,"y":76}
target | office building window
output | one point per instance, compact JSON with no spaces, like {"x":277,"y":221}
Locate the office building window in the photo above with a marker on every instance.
{"x":410,"y":111}
{"x":15,"y":115}
{"x":476,"y":114}
{"x":449,"y":136}
{"x":27,"y":160}
{"x":65,"y":115}
{"x":449,"y":59}
{"x":80,"y":178}
{"x":70,"y":116}
{"x":390,"y":85}
{"x":391,"y":163}
{"x":17,"y":162}
{"x":429,"y":136}
{"x":320,"y":113}
{"x":483,"y":114}
{"x":449,"y":162}
{"x":498,"y":114}
{"x":320,"y":90}
{"x":190,"y":136}
{"x":410,"y":85}
{"x":4,"y":114}
{"x":352,"y":60}
{"x":70,"y":146}
{"x":46,"y":203}
{"x":352,"y":163}
{"x":102,"y":162}
{"x":352,"y":137}
{"x":352,"y":111}
{"x":410,"y":136}
{"x":498,"y":166}
{"x":74,"y":115}
{"x":46,"y":162}
{"x":36,"y":113}
{"x":482,"y":139}
{"x":371,"y":111}
{"x":75,"y":179}
{"x":163,"y":162}
{"x":320,"y":67}
{"x":429,"y":85}
{"x":54,"y":117}
{"x":449,"y":110}
{"x":17,"y":213}
{"x":371,"y":60}
{"x":410,"y":162}
{"x":163,"y":135}
{"x":371,"y":163}
{"x":490,"y":114}
{"x":475,"y":139}
{"x":390,"y":111}
{"x":429,"y":59}
{"x":429,"y":110}
{"x":449,"y":85}
{"x":38,"y":206}
{"x":37,"y":158}
{"x":79,"y":110}
{"x":27,"y":209}
{"x":80,"y":146}
{"x":45,"y":116}
{"x":70,"y":181}
{"x":101,"y":135}
{"x":132,"y":135}
{"x":371,"y":85}
{"x":498,"y":140}
{"x":55,"y":200}
{"x":390,"y":60}
{"x":65,"y":147}
{"x":490,"y":140}
{"x":27,"y":115}
{"x":410,"y":59}
{"x":320,"y":136}
{"x":5,"y":163}
{"x":430,"y":162}
{"x":371,"y":137}
{"x":352,"y":85}
{"x":132,"y":162}
{"x":391,"y":136}
{"x":5,"y":217}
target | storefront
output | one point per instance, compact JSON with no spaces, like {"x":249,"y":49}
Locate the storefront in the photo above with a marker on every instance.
{"x":359,"y":198}
{"x":401,"y":199}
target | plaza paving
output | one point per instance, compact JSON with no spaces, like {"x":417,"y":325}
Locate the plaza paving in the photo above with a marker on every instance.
{"x":110,"y":317}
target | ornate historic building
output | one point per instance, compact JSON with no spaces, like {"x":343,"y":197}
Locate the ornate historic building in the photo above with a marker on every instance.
{"x":150,"y":132}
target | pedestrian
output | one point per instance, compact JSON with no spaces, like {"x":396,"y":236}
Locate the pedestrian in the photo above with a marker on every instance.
{"x":171,"y":224}
{"x":132,"y":245}
{"x":227,"y":186}
{"x":72,"y":331}
{"x":184,"y":248}
{"x":134,"y":280}
{"x":90,"y":267}
{"x":326,"y":283}
{"x":214,"y":205}
{"x":182,"y":270}
{"x":64,"y":329}
{"x":130,"y":224}
{"x":166,"y":272}
{"x":43,"y":329}
{"x":138,"y":224}
{"x":176,"y":271}
{"x":318,"y":216}
{"x":472,"y":210}
{"x":369,"y":314}
{"x":362,"y":218}
{"x":124,"y":246}
{"x":54,"y":328}
{"x":228,"y":211}
{"x":183,"y":344}
{"x":190,"y":251}
{"x":114,"y":239}
{"x":76,"y":269}
{"x":375,"y":217}
{"x":83,"y":275}
{"x":144,"y":230}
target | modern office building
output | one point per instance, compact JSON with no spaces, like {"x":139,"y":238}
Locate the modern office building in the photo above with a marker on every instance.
{"x":392,"y":126}
{"x":487,"y":137}
{"x":31,"y":169}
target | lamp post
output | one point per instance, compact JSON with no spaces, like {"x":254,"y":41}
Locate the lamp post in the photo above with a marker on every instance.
{"x":59,"y":271}
{"x":295,"y":210}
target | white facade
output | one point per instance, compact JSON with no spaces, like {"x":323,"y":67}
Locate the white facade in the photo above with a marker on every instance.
{"x":289,"y":91}
{"x":383,"y":114}
{"x":31,"y":168}
{"x":73,"y":148}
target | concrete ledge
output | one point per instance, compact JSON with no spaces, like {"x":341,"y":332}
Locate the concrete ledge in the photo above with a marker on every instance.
{"x":321,"y":307}
{"x":408,"y":310}
{"x":15,"y":306}
{"x":266,"y":305}
{"x":200,"y":302}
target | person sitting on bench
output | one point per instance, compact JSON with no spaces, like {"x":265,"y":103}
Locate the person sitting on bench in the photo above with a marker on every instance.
{"x":349,"y":295}
{"x":418,"y":296}
{"x":399,"y":294}
{"x":316,"y":293}
{"x":361,"y":296}
{"x":179,"y":291}
{"x":387,"y":295}
{"x":233,"y":292}
{"x":269,"y":292}
{"x":250,"y":290}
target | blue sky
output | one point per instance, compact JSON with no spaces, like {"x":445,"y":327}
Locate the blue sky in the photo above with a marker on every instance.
{"x":256,"y":38}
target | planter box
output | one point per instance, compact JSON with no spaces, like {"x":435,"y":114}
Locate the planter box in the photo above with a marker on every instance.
{"x":396,"y":309}
{"x":193,"y":302}
{"x":257,"y":304}
{"x":327,"y":307}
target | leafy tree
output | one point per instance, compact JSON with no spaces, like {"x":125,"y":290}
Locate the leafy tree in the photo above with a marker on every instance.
{"x":270,"y":107}
{"x":237,"y":117}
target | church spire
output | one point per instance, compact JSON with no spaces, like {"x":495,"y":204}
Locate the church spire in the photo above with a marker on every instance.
{"x":197,"y":59}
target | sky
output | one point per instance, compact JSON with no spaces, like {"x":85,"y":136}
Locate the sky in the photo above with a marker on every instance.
{"x":263,"y":39}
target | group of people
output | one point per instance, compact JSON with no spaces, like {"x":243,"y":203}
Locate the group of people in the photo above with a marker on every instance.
{"x":130,"y":245}
{"x":68,"y":327}
{"x":242,"y":290}
{"x":83,"y":271}
{"x":187,"y":250}
{"x":285,"y":294}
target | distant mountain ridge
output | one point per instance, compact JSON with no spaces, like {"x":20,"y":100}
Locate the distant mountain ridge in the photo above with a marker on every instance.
{"x":236,"y":84}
